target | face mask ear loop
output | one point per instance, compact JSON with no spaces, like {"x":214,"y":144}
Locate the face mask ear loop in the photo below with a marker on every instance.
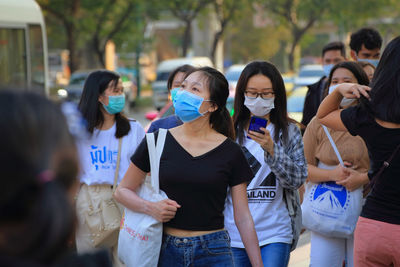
{"x":204,"y":113}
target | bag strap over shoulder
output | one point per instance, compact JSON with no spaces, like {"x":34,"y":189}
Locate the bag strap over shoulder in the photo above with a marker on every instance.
{"x":118,"y":163}
{"x":333,"y":145}
{"x":155,"y":155}
{"x":385,"y":164}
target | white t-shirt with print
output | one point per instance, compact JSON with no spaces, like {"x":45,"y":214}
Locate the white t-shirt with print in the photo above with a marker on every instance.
{"x":98,"y":155}
{"x":266,"y":204}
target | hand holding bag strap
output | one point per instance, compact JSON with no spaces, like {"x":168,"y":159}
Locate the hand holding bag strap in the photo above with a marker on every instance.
{"x":155,"y":155}
{"x":118,"y":163}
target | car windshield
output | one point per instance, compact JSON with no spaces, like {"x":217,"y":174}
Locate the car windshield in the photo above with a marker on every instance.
{"x":295,"y":103}
{"x":311,"y":73}
{"x":162,"y":76}
{"x":77,"y":79}
{"x":233,"y":75}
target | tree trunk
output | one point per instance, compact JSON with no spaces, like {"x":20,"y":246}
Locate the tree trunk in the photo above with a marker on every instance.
{"x":296,"y":39}
{"x":186,"y":37}
{"x":291,"y":57}
{"x":71,"y":45}
{"x":99,"y":50}
{"x":217,"y":37}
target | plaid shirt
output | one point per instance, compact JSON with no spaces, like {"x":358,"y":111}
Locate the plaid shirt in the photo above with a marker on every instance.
{"x":289,"y":163}
{"x":290,"y":167}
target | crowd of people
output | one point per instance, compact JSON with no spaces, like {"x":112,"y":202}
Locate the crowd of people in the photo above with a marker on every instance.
{"x":234,"y":188}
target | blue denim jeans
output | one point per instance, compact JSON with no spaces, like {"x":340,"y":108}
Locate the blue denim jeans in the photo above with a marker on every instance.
{"x":273,"y":255}
{"x":206,"y":250}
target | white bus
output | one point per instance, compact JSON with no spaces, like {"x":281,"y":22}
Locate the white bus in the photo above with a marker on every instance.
{"x":23,"y":46}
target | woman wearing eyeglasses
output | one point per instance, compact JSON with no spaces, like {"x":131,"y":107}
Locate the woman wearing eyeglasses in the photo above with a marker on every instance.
{"x":277,"y":159}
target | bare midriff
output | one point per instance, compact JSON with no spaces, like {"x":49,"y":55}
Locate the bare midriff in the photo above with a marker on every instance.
{"x":187,"y":233}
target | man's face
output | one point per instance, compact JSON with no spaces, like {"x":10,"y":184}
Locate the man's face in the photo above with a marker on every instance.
{"x":332,"y":57}
{"x":365,"y":53}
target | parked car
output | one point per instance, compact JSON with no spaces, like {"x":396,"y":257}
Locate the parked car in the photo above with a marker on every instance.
{"x":288,"y":79}
{"x":308,"y":74}
{"x":295,"y":103}
{"x":159,"y":86}
{"x":168,"y":110}
{"x":232,"y":74}
{"x":73,"y":90}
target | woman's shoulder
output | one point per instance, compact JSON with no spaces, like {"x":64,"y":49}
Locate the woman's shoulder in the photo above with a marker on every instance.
{"x":135,"y":125}
{"x":232,"y":146}
{"x":293,"y":129}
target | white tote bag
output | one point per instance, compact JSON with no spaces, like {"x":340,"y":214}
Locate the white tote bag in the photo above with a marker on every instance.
{"x":328,"y":208}
{"x":140,"y":235}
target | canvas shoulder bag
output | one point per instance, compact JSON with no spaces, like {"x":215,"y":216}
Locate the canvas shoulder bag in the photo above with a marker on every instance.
{"x":328,"y":208}
{"x":103,"y":215}
{"x":140,"y":235}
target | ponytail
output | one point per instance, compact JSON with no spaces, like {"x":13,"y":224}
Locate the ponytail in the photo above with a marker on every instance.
{"x":221,"y":121}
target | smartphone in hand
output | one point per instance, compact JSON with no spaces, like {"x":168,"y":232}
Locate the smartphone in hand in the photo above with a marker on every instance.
{"x":256,"y":123}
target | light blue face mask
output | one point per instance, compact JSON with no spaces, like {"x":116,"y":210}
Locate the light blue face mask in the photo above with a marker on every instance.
{"x":116,"y":104}
{"x":372,"y":61}
{"x":345,"y":101}
{"x":173,"y":93}
{"x":187,"y":106}
{"x":327,"y":69}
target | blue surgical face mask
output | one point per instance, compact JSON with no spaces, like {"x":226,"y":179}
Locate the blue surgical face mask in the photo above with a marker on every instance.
{"x":327,"y":69}
{"x":372,"y":61}
{"x":187,"y":106}
{"x":116,"y":104}
{"x":173,"y":93}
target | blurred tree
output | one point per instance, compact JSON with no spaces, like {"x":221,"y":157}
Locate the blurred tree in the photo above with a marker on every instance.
{"x":245,"y":42}
{"x":91,"y":24}
{"x":226,"y":11}
{"x":68,"y":13}
{"x":298,"y":16}
{"x":186,"y":11}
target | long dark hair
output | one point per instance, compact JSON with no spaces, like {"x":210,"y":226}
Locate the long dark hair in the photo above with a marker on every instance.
{"x":184,"y":68}
{"x":353,"y":67}
{"x":385,"y":92}
{"x":38,"y":165}
{"x":95,"y":85}
{"x":278,"y":115}
{"x":220,"y":120}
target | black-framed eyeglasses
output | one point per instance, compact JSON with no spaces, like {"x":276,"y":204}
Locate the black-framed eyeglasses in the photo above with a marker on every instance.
{"x":254,"y":95}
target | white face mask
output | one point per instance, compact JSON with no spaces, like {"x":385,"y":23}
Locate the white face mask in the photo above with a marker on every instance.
{"x":345,"y":101}
{"x":259,"y":106}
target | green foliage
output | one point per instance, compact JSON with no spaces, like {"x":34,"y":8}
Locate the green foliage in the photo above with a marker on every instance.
{"x":96,"y":22}
{"x":247,"y":43}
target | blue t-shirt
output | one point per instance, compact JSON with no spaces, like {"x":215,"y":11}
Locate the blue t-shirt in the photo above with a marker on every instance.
{"x":165,"y":123}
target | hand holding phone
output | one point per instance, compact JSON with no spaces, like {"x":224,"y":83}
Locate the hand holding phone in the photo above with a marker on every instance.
{"x":256,"y":123}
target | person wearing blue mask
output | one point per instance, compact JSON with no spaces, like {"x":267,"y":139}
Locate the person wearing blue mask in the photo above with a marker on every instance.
{"x":365,"y":45}
{"x":332,"y":54}
{"x":199,"y":162}
{"x":111,"y":134}
{"x":175,"y":80}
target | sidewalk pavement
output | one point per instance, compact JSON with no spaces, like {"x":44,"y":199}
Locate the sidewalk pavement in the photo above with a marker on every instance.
{"x":300,"y":257}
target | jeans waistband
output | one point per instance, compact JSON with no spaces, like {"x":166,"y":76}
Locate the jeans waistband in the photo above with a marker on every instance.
{"x":223,"y":234}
